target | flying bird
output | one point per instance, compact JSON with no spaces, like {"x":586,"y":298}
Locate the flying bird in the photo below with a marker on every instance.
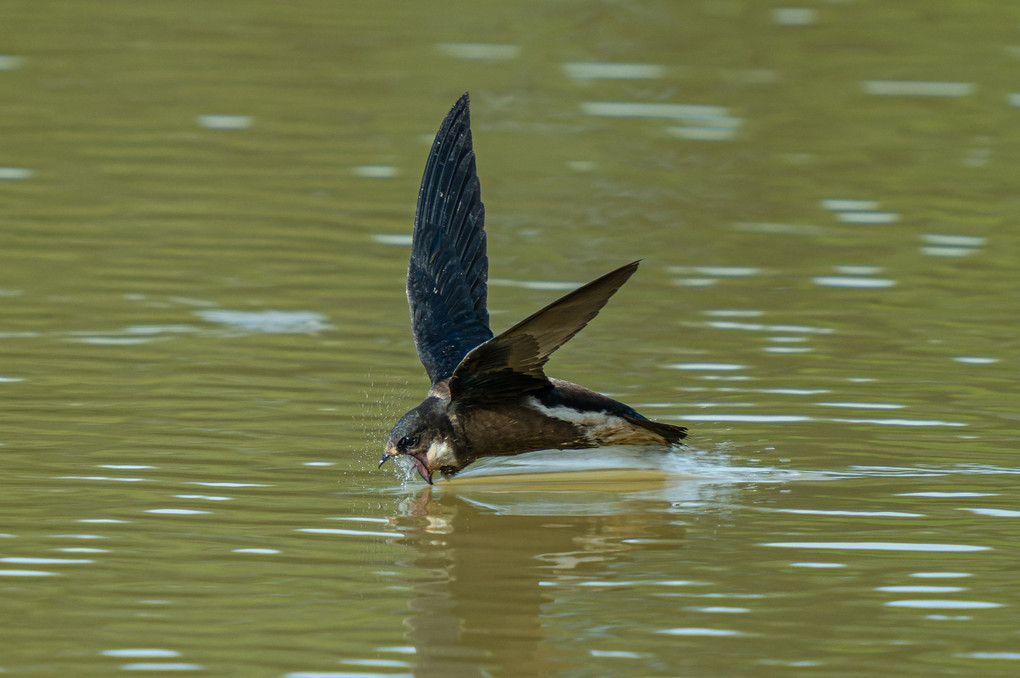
{"x":490,"y":395}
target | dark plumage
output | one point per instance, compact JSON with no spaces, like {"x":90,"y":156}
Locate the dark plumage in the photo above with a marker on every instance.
{"x":490,"y":395}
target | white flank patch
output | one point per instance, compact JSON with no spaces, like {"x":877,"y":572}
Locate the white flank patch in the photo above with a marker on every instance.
{"x":600,"y":427}
{"x":440,"y":454}
{"x":576,"y":417}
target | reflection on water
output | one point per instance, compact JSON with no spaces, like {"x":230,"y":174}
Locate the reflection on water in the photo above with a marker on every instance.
{"x":570,"y":586}
{"x":466,"y":580}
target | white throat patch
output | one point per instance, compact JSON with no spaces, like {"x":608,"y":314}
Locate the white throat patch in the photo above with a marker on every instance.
{"x":440,"y":454}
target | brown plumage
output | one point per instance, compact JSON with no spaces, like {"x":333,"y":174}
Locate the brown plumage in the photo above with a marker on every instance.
{"x":490,"y":395}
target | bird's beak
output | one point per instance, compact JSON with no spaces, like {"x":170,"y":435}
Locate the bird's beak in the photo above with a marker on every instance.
{"x":420,"y":464}
{"x":387,"y":454}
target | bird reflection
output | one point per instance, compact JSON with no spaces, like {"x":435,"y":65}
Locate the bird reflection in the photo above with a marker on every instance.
{"x":487,"y":591}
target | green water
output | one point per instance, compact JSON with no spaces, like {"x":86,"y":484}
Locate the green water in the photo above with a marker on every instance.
{"x":204,"y":338}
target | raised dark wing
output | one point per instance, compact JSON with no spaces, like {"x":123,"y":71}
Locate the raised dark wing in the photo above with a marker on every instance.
{"x":446,"y":278}
{"x":511,"y":363}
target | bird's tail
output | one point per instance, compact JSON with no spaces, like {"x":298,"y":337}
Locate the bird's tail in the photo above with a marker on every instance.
{"x":671,"y":434}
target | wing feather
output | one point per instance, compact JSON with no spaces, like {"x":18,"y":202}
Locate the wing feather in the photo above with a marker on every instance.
{"x":513,"y":362}
{"x":447,"y":276}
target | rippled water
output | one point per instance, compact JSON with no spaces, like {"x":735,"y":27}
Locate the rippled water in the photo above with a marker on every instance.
{"x":205,"y":219}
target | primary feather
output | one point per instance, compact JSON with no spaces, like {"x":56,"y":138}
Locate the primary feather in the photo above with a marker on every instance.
{"x":448,"y":271}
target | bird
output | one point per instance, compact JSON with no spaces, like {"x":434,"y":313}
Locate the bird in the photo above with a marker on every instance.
{"x":489,"y":393}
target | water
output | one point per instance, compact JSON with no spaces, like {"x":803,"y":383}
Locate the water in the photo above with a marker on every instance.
{"x":204,"y":340}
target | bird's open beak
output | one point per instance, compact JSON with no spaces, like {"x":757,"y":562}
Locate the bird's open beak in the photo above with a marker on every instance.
{"x":419,"y":462}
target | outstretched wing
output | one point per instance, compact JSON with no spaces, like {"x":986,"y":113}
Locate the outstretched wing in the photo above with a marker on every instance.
{"x":512,"y":362}
{"x":446,"y":278}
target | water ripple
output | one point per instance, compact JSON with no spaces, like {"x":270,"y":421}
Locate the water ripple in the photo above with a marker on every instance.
{"x":917,"y":88}
{"x":879,"y":546}
{"x":479,"y":51}
{"x":375,"y":171}
{"x":623,"y":109}
{"x":268,"y":322}
{"x":141,"y":652}
{"x":793,"y":418}
{"x":921,"y":589}
{"x":350,"y":533}
{"x":862,"y":514}
{"x":760,"y":327}
{"x":999,"y":513}
{"x":608,"y":71}
{"x":868,"y":218}
{"x":400,"y":239}
{"x":944,"y":604}
{"x":705,"y":366}
{"x":847,"y":281}
{"x":945,"y":494}
{"x":27,"y":573}
{"x":225,"y":122}
{"x":701,"y":632}
{"x":44,"y":561}
{"x":821,"y":566}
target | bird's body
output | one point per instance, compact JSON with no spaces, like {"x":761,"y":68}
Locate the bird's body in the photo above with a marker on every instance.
{"x":561,"y":416}
{"x":490,"y":395}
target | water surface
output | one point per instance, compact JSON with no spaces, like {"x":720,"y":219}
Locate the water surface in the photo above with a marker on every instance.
{"x":204,"y":340}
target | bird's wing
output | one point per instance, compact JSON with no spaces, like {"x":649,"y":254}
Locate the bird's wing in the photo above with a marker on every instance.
{"x":511,"y":363}
{"x":446,"y":278}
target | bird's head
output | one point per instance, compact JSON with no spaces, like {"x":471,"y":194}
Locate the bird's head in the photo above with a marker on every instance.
{"x":425,"y":434}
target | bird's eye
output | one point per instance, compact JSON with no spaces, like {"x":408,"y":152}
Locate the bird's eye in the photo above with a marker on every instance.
{"x":408,"y":442}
